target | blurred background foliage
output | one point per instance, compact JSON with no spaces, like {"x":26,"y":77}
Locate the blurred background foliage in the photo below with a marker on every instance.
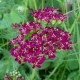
{"x":66,"y":65}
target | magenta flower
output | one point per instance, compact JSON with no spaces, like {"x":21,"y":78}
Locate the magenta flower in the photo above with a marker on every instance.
{"x":48,"y":14}
{"x":42,"y":44}
{"x":27,"y":27}
{"x":35,"y":44}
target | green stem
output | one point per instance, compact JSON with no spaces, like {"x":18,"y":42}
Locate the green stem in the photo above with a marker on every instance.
{"x":5,"y":44}
{"x":62,"y":75}
{"x":67,"y":14}
{"x":26,"y":2}
{"x":2,"y":38}
{"x":52,"y":72}
{"x":52,"y":3}
{"x":35,"y":4}
{"x":74,"y":23}
{"x":42,"y":4}
{"x":33,"y":74}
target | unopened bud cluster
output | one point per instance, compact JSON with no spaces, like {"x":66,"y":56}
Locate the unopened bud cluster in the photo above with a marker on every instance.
{"x":13,"y":76}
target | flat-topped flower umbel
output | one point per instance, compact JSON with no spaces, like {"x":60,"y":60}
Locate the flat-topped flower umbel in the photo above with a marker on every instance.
{"x":35,"y":44}
{"x":48,"y":14}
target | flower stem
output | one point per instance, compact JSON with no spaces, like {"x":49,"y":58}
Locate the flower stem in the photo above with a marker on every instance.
{"x":42,"y":4}
{"x":52,"y":3}
{"x":5,"y":44}
{"x":35,"y":4}
{"x":52,"y":72}
{"x":33,"y":74}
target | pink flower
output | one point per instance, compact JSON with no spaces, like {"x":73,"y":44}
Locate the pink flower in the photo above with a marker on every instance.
{"x":35,"y":44}
{"x":48,"y":14}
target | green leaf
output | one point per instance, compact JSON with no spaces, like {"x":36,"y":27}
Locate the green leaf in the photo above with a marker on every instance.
{"x":9,"y":19}
{"x":15,"y":17}
{"x":73,"y":64}
{"x":74,"y":76}
{"x":9,"y":34}
{"x":59,"y":58}
{"x":45,"y":65}
{"x":6,"y":22}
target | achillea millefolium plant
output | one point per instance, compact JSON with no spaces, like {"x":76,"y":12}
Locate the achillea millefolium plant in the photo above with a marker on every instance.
{"x":15,"y":75}
{"x":36,"y":43}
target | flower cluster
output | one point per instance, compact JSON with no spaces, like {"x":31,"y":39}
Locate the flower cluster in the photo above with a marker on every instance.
{"x":48,"y":14}
{"x":27,"y":50}
{"x":42,"y":44}
{"x":13,"y":76}
{"x":35,"y":44}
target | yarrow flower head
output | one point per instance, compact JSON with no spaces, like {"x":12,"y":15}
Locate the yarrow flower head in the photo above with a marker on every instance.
{"x":48,"y":14}
{"x":35,"y":44}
